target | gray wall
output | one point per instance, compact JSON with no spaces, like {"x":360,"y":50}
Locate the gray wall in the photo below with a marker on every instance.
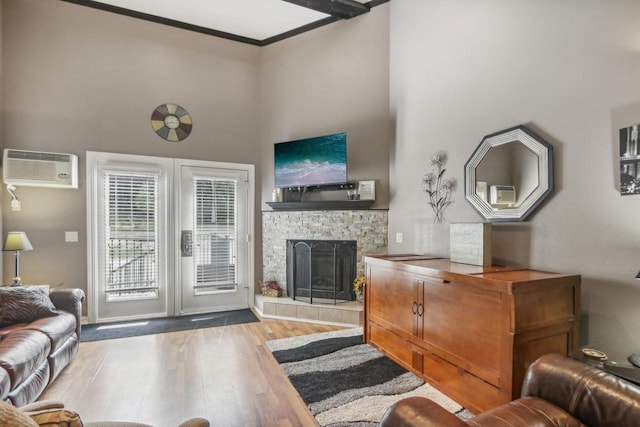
{"x":332,"y":79}
{"x":569,"y":70}
{"x":77,"y":79}
{"x":1,"y":128}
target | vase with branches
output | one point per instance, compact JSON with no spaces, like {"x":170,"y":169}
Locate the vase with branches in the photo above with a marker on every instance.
{"x":437,"y":187}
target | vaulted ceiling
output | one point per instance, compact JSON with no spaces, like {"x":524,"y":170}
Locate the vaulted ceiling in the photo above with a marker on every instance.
{"x":256,"y":22}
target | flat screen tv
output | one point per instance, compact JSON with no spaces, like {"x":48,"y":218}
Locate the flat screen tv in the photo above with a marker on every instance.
{"x":311,"y":162}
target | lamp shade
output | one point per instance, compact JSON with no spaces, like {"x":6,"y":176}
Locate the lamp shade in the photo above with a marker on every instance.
{"x":17,"y":241}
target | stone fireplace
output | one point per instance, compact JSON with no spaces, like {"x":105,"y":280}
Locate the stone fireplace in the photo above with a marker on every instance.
{"x":367,"y":228}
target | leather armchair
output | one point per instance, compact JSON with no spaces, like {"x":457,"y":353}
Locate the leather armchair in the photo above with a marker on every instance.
{"x":557,"y":391}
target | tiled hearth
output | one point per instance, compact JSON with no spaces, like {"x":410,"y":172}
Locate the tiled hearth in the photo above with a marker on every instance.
{"x":368,"y":227}
{"x":345,"y":314}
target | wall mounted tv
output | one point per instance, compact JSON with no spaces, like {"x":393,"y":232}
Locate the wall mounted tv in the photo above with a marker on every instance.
{"x":318,"y":161}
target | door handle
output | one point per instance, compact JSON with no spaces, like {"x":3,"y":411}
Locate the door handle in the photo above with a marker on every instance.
{"x":186,"y":243}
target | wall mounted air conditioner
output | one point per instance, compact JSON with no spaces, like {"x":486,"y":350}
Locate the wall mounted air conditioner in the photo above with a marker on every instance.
{"x":39,"y":169}
{"x":502,"y":195}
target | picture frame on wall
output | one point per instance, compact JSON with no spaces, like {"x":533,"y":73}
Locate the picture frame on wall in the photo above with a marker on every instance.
{"x":629,"y":160}
{"x":367,"y":190}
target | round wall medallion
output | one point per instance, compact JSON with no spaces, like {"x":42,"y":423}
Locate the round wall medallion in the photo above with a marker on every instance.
{"x":171,"y":122}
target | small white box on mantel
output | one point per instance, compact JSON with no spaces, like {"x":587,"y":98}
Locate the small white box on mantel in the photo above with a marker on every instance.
{"x":470,"y":243}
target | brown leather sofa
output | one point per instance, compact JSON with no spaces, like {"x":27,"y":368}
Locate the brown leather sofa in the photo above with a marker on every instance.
{"x":32,"y":354}
{"x":557,"y":391}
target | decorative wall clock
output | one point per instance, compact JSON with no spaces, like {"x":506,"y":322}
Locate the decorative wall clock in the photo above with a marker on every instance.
{"x":171,"y":122}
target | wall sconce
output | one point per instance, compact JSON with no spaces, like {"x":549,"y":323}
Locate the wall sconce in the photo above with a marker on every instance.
{"x":15,"y":202}
{"x":17,"y":241}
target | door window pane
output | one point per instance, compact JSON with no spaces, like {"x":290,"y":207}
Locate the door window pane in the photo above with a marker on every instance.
{"x":215,"y":234}
{"x":131,"y":235}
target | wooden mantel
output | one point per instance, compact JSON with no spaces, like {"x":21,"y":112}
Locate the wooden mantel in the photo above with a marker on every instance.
{"x":320,"y":205}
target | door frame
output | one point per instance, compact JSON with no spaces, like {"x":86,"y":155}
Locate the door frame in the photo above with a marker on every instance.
{"x":174,"y":302}
{"x":178,"y":164}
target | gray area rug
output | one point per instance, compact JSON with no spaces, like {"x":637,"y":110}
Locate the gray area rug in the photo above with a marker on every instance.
{"x":345,"y":382}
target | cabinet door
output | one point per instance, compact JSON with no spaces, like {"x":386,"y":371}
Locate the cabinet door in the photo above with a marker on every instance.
{"x":465,"y":326}
{"x":393,"y":300}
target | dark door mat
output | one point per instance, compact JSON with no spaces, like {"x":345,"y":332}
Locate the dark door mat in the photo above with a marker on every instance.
{"x":133,"y":328}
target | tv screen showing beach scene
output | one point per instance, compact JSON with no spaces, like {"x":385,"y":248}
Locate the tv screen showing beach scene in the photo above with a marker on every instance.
{"x":313,"y":161}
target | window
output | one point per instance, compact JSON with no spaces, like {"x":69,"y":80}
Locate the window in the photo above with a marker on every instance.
{"x":131,"y":235}
{"x":215,"y":201}
{"x":216,"y":236}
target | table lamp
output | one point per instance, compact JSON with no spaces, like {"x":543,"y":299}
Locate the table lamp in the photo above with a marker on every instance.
{"x":17,"y":241}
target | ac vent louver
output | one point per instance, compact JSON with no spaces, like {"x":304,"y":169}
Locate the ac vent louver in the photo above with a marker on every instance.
{"x":35,"y":155}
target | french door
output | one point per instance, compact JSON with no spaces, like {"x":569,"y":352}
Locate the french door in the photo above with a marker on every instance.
{"x":212,"y":209}
{"x":167,"y":236}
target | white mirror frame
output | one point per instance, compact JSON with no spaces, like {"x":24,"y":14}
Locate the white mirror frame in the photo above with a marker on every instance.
{"x":542,"y":149}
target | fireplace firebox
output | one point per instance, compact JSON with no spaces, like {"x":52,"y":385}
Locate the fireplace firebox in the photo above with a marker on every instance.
{"x":321,"y":270}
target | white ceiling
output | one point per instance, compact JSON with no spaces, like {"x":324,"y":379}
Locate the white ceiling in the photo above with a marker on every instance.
{"x":253,"y":19}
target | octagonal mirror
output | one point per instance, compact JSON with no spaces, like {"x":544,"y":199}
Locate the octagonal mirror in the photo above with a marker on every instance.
{"x":509,"y":174}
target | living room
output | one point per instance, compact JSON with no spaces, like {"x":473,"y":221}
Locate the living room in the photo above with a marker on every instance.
{"x":408,"y":79}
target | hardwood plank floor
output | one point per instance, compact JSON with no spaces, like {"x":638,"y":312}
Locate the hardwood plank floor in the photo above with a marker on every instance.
{"x":225,"y":374}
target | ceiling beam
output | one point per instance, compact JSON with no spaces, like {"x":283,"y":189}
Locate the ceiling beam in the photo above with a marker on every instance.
{"x":343,"y":9}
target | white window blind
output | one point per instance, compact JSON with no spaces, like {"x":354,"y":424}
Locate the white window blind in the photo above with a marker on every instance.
{"x":131,"y":235}
{"x":215,"y":234}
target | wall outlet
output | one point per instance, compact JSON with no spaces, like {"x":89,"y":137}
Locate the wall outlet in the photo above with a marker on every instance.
{"x":399,"y":237}
{"x":70,"y":236}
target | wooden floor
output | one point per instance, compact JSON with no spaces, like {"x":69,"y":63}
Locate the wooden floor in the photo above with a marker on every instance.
{"x":225,"y":374}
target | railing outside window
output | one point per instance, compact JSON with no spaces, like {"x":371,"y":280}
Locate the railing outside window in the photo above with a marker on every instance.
{"x":132,"y":269}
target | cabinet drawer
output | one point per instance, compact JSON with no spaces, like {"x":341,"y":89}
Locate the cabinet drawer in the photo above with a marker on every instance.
{"x":463,"y":387}
{"x":398,"y":349}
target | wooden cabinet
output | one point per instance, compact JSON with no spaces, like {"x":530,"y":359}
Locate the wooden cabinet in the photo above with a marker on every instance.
{"x":470,"y":331}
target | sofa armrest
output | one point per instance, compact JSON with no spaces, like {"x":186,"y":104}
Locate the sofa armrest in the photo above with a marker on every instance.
{"x":42,"y":405}
{"x":196,"y":422}
{"x":419,"y":411}
{"x":69,"y":300}
{"x":593,"y":396}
